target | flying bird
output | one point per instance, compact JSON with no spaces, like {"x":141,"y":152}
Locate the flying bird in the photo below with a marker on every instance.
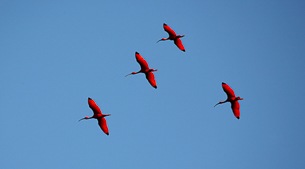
{"x":146,"y":70}
{"x":173,"y":36}
{"x":97,"y":114}
{"x":232,"y":99}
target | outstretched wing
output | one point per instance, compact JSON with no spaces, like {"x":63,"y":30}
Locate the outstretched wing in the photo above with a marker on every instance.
{"x":179,"y":44}
{"x":151,"y":79}
{"x":96,"y":110}
{"x":103,"y":125}
{"x":235,"y":108}
{"x":169,"y":30}
{"x":141,"y":61}
{"x":228,"y":90}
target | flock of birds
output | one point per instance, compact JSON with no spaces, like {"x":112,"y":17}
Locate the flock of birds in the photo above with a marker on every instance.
{"x":97,"y":113}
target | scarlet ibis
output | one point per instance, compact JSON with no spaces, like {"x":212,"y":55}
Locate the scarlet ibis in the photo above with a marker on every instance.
{"x":232,"y":99}
{"x":146,"y":70}
{"x":173,"y":36}
{"x":97,"y":114}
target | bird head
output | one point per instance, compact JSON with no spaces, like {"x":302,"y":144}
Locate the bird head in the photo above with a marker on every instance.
{"x":163,"y":39}
{"x":220,"y":102}
{"x":132,"y":73}
{"x":87,"y":117}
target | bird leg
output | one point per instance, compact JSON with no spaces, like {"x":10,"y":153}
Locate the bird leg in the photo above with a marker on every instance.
{"x":239,"y":98}
{"x":104,"y":115}
{"x":153,"y":70}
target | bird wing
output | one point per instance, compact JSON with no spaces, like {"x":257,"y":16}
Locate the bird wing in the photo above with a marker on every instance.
{"x":228,"y":90}
{"x":179,"y":44}
{"x":142,"y":61}
{"x":103,"y":125}
{"x":151,"y":79}
{"x":96,"y":110}
{"x":235,"y":108}
{"x":169,"y":30}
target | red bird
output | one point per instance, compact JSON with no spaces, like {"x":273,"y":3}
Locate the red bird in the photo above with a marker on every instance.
{"x":145,"y":69}
{"x":232,"y":99}
{"x":173,"y":36}
{"x":97,"y":115}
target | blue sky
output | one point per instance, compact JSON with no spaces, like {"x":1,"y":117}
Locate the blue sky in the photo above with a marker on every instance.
{"x":56,"y":54}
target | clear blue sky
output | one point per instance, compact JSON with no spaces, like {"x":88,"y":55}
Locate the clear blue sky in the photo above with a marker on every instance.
{"x":56,"y":54}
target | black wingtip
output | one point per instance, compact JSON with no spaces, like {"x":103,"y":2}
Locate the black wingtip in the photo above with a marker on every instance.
{"x":155,"y":87}
{"x":183,"y":50}
{"x":137,"y":52}
{"x":107,"y":134}
{"x":237,"y":118}
{"x":89,"y":98}
{"x":164,"y":24}
{"x":223,"y":83}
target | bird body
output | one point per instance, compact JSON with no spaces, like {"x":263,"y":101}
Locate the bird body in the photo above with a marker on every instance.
{"x":173,"y":36}
{"x":146,"y":70}
{"x":232,"y":99}
{"x":97,"y":114}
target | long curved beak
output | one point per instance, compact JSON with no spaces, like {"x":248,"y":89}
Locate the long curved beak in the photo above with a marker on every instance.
{"x":159,"y":40}
{"x":128,"y":74}
{"x":216,"y":104}
{"x":81,"y":119}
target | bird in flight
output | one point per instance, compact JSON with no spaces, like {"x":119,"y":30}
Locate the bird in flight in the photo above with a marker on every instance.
{"x":146,"y":70}
{"x":97,"y":114}
{"x":173,"y":36}
{"x":232,"y":99}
